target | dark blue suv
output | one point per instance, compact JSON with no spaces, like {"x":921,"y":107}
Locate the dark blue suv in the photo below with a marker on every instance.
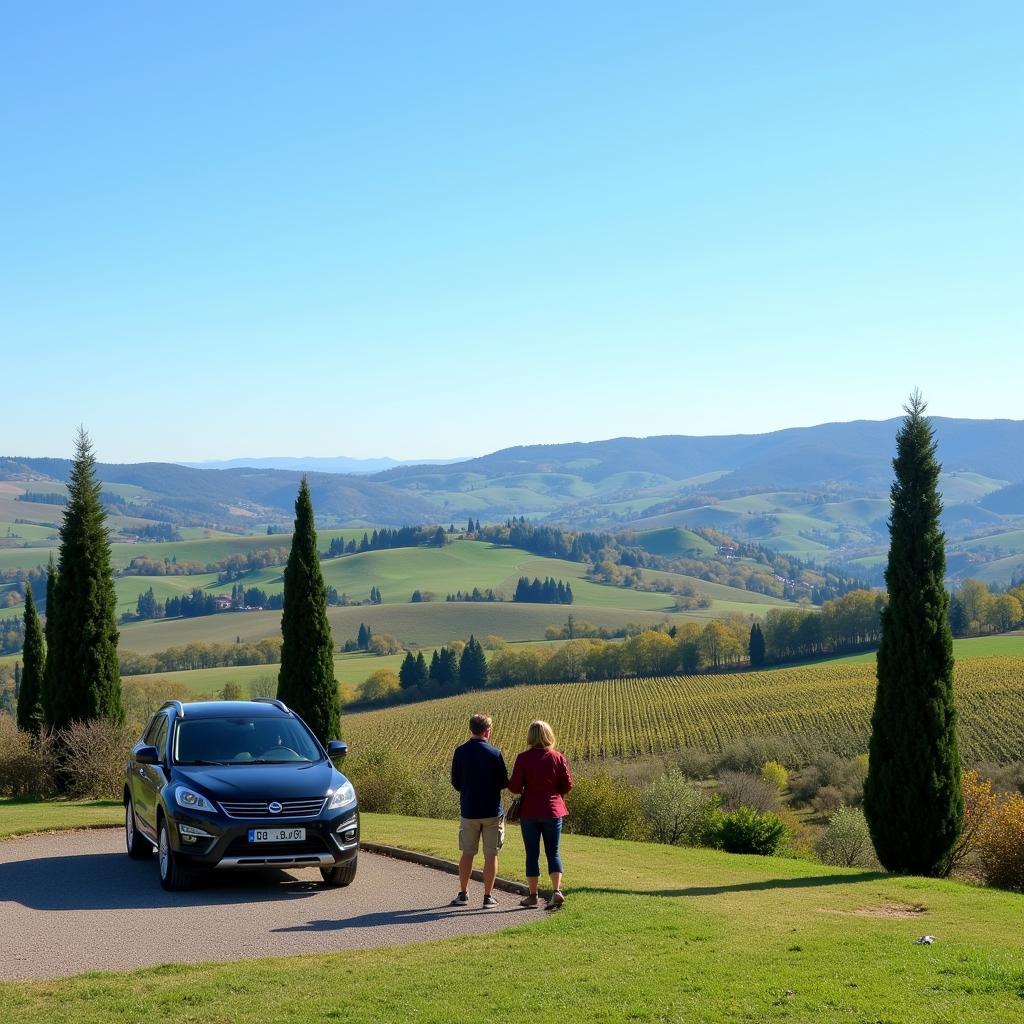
{"x":238,"y":784}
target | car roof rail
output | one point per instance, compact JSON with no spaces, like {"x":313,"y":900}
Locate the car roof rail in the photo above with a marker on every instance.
{"x":179,"y":711}
{"x":273,"y":700}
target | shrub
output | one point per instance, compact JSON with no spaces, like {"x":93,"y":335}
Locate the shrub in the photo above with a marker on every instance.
{"x":92,"y":756}
{"x":805,"y":784}
{"x":678,"y":813}
{"x":747,"y":831}
{"x":263,"y":686}
{"x":26,"y":764}
{"x":600,"y":805}
{"x":380,"y":685}
{"x":847,"y":840}
{"x":979,"y":805}
{"x":828,"y":800}
{"x":1001,"y":844}
{"x":385,"y":783}
{"x":750,"y":752}
{"x":775,"y":775}
{"x":231,"y":691}
{"x":741,"y":789}
{"x":384,"y":643}
{"x":347,"y":693}
{"x":693,"y":763}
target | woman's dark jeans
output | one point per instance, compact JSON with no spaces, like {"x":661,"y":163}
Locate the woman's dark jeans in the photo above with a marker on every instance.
{"x":550,"y":829}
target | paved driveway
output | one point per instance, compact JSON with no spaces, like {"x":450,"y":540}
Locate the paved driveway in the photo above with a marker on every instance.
{"x":74,"y":902}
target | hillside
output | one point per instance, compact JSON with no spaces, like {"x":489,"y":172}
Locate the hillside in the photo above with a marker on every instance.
{"x":811,"y":709}
{"x":819,"y":493}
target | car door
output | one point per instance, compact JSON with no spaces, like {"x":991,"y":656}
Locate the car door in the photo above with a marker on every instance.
{"x":151,"y":779}
{"x":136,"y":790}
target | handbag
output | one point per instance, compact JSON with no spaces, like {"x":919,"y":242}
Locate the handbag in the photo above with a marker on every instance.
{"x":515,"y":809}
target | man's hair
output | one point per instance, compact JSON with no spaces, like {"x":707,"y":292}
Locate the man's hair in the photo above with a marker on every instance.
{"x":479,"y":724}
{"x":540,"y":734}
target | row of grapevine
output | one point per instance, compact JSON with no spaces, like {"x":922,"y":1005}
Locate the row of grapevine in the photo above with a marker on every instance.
{"x":815,"y":707}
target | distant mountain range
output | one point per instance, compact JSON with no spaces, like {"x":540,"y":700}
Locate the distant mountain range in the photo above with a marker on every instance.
{"x":311,"y":464}
{"x":818,"y":492}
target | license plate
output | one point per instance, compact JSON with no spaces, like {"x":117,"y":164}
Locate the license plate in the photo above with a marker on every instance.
{"x":276,"y":835}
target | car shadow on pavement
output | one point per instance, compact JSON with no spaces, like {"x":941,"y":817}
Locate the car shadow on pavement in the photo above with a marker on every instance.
{"x":110,"y":881}
{"x":389,"y":918}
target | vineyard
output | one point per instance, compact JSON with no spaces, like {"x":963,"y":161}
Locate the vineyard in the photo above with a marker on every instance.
{"x":816,"y":708}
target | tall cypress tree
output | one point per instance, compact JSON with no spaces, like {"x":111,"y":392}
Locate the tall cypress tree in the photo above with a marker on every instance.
{"x":756,"y":646}
{"x":912,"y":797}
{"x":30,"y":693}
{"x":83,"y":677}
{"x":473,"y":666}
{"x":306,"y":678}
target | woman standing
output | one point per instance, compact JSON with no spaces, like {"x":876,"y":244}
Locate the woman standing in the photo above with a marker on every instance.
{"x":541,"y":774}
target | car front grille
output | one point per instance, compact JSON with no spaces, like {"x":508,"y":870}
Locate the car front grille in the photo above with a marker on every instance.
{"x":260,"y":808}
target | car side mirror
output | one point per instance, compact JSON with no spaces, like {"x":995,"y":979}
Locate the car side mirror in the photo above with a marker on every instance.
{"x":147,"y":755}
{"x":336,"y":748}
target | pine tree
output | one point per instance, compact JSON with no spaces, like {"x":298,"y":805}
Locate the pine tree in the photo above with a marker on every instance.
{"x":473,"y":666}
{"x":361,"y":637}
{"x":422,"y":674}
{"x":756,"y":646}
{"x":447,"y":667}
{"x":306,"y":678}
{"x":83,"y":677}
{"x":912,"y":796}
{"x":434,"y":671}
{"x":30,"y":692}
{"x":407,"y":673}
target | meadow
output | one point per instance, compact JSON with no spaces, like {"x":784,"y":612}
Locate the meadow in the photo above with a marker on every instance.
{"x":812,"y":709}
{"x":651,"y":934}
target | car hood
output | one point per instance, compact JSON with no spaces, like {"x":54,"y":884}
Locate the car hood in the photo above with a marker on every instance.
{"x":261,"y":781}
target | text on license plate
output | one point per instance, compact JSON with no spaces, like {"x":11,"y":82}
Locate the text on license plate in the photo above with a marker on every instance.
{"x":276,"y":835}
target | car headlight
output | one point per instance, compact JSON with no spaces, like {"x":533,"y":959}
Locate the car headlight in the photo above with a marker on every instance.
{"x":343,"y":796}
{"x":191,"y":800}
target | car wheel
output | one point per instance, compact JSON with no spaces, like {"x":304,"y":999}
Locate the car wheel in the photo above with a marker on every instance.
{"x":138,"y":846}
{"x":173,"y":877}
{"x":343,"y":874}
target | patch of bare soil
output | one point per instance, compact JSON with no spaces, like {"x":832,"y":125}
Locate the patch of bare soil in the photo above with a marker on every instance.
{"x":887,"y":909}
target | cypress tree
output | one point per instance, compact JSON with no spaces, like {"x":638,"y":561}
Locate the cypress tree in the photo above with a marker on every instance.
{"x":756,"y":646}
{"x":83,"y":677}
{"x":306,"y":678}
{"x":434,"y":671}
{"x":912,"y":796}
{"x":362,"y":639}
{"x":30,"y":692}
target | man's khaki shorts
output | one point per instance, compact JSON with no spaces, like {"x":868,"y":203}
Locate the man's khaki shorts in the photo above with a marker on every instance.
{"x":471,"y":829}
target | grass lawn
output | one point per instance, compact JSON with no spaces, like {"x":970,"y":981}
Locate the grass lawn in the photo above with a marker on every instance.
{"x":18,"y":817}
{"x":1005,"y":646}
{"x":650,"y":933}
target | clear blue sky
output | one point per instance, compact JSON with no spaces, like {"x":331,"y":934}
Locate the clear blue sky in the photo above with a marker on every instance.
{"x":434,"y":229}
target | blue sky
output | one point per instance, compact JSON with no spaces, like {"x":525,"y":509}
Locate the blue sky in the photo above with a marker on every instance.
{"x":434,"y":229}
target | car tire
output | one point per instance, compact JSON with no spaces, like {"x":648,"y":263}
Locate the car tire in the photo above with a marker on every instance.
{"x":173,"y":877}
{"x":342,"y":875}
{"x":137,"y":845}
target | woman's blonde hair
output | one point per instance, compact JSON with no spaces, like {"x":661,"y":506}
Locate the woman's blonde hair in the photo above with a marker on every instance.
{"x":540,"y":734}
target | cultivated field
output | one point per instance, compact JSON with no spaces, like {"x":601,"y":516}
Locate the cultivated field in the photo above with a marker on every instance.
{"x":815,"y":708}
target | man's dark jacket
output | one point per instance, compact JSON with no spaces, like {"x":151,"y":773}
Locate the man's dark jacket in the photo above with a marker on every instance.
{"x":479,"y":774}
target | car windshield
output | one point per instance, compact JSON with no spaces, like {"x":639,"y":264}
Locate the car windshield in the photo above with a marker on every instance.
{"x":243,"y":740}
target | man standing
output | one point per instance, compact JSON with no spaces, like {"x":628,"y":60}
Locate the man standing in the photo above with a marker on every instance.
{"x":479,"y":774}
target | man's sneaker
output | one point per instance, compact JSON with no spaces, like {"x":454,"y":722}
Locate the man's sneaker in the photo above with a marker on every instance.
{"x":556,"y":901}
{"x":489,"y":901}
{"x":530,"y":902}
{"x":461,"y":900}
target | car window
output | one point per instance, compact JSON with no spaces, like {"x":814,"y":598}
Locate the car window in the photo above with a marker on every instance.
{"x":160,"y":740}
{"x":149,"y":736}
{"x":244,"y":739}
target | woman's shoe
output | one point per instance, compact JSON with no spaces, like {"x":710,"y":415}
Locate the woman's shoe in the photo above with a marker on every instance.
{"x":556,"y":902}
{"x":529,"y":902}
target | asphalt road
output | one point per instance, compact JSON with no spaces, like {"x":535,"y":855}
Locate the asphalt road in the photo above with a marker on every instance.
{"x":74,"y":902}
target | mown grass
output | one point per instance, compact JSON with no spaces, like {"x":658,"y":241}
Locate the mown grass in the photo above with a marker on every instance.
{"x":652,"y":934}
{"x":20,"y":817}
{"x":1003,"y":646}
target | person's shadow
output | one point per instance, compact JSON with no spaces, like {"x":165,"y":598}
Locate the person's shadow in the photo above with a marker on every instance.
{"x":391,"y":918}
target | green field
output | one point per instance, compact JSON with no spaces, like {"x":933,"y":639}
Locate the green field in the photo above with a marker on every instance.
{"x":348,"y":668}
{"x":651,"y":934}
{"x":1009,"y":645}
{"x":813,"y":709}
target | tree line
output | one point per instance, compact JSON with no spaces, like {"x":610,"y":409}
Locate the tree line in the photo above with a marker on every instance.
{"x":402,"y":537}
{"x":188,"y":657}
{"x":551,"y":591}
{"x":974,"y":609}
